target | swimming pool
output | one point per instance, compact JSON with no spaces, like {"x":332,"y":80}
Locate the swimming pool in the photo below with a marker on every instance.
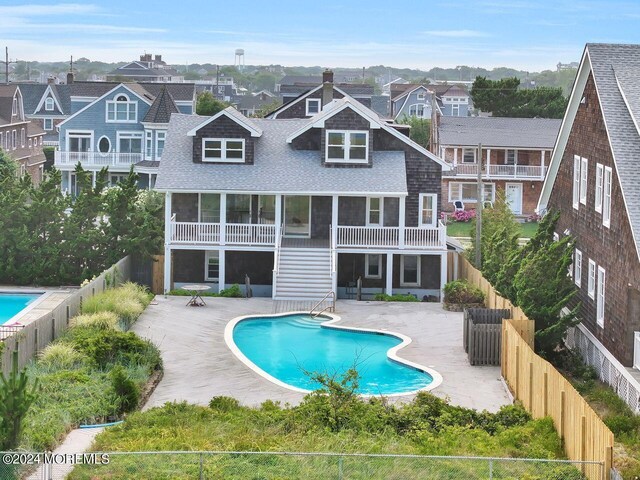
{"x":282,"y":347}
{"x":13,"y":303}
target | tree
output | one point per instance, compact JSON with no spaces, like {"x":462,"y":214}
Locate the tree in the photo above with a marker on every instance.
{"x":266,"y":109}
{"x":420,"y":129}
{"x":208,"y":105}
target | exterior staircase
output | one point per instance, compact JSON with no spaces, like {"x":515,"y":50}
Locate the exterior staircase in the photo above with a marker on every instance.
{"x":303,"y":274}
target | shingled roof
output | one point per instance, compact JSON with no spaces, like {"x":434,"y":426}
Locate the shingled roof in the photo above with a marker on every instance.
{"x":162,"y":108}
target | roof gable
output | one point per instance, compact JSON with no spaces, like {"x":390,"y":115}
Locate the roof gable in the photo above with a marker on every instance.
{"x":235,"y":116}
{"x":162,"y":108}
{"x":49,"y":93}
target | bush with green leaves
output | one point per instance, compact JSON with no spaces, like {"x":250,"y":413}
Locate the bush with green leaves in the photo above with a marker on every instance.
{"x":224,"y":404}
{"x":461,"y":292}
{"x":127,"y":301}
{"x":104,"y":320}
{"x":61,"y":356}
{"x":399,"y":297}
{"x":126,"y":389}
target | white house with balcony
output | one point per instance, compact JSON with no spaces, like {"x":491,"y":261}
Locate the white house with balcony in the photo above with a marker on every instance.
{"x":302,"y":206}
{"x":515,"y":157}
{"x":124,"y":127}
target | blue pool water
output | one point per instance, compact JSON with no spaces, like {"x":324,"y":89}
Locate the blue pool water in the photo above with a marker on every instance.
{"x":285,"y":346}
{"x":11,"y":304}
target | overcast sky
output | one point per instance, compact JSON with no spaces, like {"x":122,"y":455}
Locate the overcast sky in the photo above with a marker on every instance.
{"x":529,"y":35}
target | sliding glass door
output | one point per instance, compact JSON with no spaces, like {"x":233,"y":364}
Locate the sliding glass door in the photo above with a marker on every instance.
{"x":297,"y":216}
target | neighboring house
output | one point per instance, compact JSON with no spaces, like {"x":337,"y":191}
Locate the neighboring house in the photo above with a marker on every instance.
{"x":312,"y":80}
{"x":451,"y":100}
{"x":594,"y":180}
{"x":250,"y":105}
{"x":148,"y":69}
{"x":515,"y":156}
{"x":19,"y":137}
{"x":302,"y":206}
{"x":415,"y":101}
{"x":293,"y":91}
{"x":126,"y":125}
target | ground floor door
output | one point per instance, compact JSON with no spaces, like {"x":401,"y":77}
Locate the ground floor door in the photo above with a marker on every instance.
{"x":297,"y":216}
{"x":513,"y":195}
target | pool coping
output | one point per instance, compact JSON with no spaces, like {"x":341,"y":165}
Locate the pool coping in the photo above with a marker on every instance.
{"x":30,"y":306}
{"x":392,"y":353}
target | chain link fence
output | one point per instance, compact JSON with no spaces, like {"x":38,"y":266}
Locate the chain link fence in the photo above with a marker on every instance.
{"x":285,"y":465}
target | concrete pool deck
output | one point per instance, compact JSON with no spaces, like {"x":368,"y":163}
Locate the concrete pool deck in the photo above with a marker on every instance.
{"x":198,"y":364}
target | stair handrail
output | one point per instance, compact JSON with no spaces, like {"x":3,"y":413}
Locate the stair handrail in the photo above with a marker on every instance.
{"x":331,"y":307}
{"x":276,"y":253}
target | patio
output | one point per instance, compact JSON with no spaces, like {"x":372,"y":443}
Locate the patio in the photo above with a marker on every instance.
{"x":198,"y":364}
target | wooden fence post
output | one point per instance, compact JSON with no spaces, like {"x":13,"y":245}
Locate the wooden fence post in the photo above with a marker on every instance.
{"x":517,"y":370}
{"x":583,"y":441}
{"x":562,"y":412}
{"x":545,"y":389}
{"x":531,"y":387}
{"x":53,"y":329}
{"x":608,"y":462}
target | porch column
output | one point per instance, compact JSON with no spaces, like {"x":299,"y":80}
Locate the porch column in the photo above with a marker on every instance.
{"x":388,"y":288}
{"x":223,"y":219}
{"x":167,"y":242}
{"x":221,"y":265}
{"x":443,"y":274}
{"x":488,"y":162}
{"x":455,"y":157}
{"x":278,"y":217}
{"x":401,"y":221}
{"x":334,"y":243}
{"x":542,"y":155}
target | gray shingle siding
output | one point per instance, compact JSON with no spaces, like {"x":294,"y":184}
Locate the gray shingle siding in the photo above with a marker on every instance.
{"x":223,"y":127}
{"x":347,"y":119}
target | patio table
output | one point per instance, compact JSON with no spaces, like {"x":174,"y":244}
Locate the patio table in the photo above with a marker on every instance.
{"x":196,"y":299}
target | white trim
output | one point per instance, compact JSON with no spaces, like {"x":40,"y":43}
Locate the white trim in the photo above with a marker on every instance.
{"x":207,"y":256}
{"x":98,"y":145}
{"x":475,"y":155}
{"x":148,"y":144}
{"x":599,"y":190}
{"x":471,"y":200}
{"x":292,"y":102}
{"x":577,"y":263}
{"x":591,"y":280}
{"x":434,"y":208}
{"x":129,"y":134}
{"x":601,"y":296}
{"x":47,"y":104}
{"x":79,"y":133}
{"x":403,"y":283}
{"x":606,"y":196}
{"x":346,"y":147}
{"x":315,"y":100}
{"x":115,"y":102}
{"x":44,"y":125}
{"x":518,"y":209}
{"x":48,"y":93}
{"x":576,"y":182}
{"x":164,"y":141}
{"x":284,"y":217}
{"x":233,"y":115}
{"x":380,"y":211}
{"x":331,"y":324}
{"x":283,"y":192}
{"x":367,"y":265}
{"x":584,"y":168}
{"x":223,"y":150}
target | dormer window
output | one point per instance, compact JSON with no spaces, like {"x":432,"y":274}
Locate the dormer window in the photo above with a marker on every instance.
{"x":313,"y":106}
{"x":347,"y":146}
{"x":421,"y":96}
{"x":14,"y":110}
{"x":121,"y":109}
{"x":229,"y":150}
{"x":48,"y":104}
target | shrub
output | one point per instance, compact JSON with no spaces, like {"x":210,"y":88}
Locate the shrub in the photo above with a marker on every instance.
{"x":126,"y":389}
{"x":224,"y":404}
{"x":127,"y":301}
{"x":463,"y":293}
{"x":463,"y":215}
{"x":99,"y":320}
{"x":383,"y":297}
{"x":61,"y":356}
{"x":232,"y":291}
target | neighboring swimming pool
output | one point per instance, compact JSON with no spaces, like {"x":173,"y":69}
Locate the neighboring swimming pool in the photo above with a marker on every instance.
{"x":282,"y":347}
{"x":13,"y":303}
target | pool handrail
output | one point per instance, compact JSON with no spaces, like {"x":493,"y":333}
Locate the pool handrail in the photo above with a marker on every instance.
{"x":331,"y":307}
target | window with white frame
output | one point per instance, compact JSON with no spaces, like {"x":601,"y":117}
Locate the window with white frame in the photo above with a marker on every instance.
{"x":23,"y":137}
{"x":600,"y":297}
{"x":510,"y":157}
{"x":313,"y":106}
{"x":576,"y":181}
{"x":48,"y":124}
{"x":599,"y":180}
{"x":606,"y":197}
{"x":468,"y":192}
{"x":14,"y":139}
{"x":420,"y":96}
{"x":212,"y":266}
{"x":373,"y":266}
{"x":160,"y":138}
{"x":209,"y":207}
{"x":583,"y":180}
{"x":347,"y":146}
{"x":31,"y":142}
{"x":410,"y":270}
{"x":577,"y":277}
{"x":375,"y":211}
{"x":116,"y":178}
{"x":48,"y":104}
{"x":455,"y":110}
{"x":104,"y":144}
{"x":468,"y":155}
{"x":148,"y":144}
{"x":591,"y":281}
{"x":23,"y":169}
{"x":14,"y":108}
{"x":428,"y":209}
{"x":416,"y":110}
{"x":130,"y":142}
{"x":121,"y":109}
{"x":230,"y":150}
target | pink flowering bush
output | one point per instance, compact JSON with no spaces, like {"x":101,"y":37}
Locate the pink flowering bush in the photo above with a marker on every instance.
{"x":464,"y":215}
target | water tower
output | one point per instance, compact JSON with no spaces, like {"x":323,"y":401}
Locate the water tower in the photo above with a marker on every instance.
{"x":239,"y":59}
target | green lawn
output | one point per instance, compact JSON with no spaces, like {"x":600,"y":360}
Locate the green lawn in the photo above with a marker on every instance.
{"x":463,"y":229}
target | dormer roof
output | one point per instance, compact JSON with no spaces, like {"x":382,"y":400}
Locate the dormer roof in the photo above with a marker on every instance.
{"x":235,"y":116}
{"x":162,"y":108}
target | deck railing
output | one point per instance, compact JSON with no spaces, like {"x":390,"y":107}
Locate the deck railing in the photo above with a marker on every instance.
{"x":110,"y":159}
{"x":499,"y":171}
{"x":235,"y":233}
{"x":414,"y":237}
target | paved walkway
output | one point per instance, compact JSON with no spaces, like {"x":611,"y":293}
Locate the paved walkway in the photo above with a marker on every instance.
{"x":199,"y":365}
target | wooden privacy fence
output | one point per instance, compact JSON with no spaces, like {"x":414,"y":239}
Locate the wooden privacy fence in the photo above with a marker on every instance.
{"x":482,"y":332}
{"x":543,"y":391}
{"x":36,"y":335}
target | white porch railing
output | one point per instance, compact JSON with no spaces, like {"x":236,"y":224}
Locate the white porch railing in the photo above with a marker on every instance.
{"x":388,"y":237}
{"x":235,"y":233}
{"x":499,"y":171}
{"x":111,"y":159}
{"x":636,"y":350}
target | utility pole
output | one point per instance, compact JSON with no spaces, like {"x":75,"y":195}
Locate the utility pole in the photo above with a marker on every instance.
{"x":479,"y":206}
{"x":7,"y":62}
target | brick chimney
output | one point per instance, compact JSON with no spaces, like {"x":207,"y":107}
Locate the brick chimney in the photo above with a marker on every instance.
{"x":51,"y":80}
{"x":70,"y":78}
{"x":327,"y":87}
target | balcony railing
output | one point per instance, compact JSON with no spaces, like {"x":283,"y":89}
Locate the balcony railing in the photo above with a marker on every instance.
{"x":111,"y":159}
{"x":389,"y":237}
{"x":235,"y":233}
{"x":499,"y":171}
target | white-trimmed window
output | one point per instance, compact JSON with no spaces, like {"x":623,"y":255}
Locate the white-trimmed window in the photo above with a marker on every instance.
{"x":230,"y":150}
{"x":104,"y":144}
{"x":583,"y":180}
{"x":116,"y":178}
{"x":347,"y":146}
{"x":23,"y":169}
{"x":600,"y":297}
{"x":160,"y":138}
{"x":23,"y":137}
{"x":416,"y":110}
{"x":373,"y":266}
{"x":14,"y":108}
{"x":129,"y":142}
{"x":48,"y":104}
{"x":428,"y":209}
{"x":599,"y":180}
{"x":212,"y":266}
{"x":510,"y":157}
{"x":31,"y":142}
{"x":409,"y":270}
{"x":577,"y":277}
{"x":576,"y":181}
{"x":48,"y":124}
{"x":606,"y":197}
{"x":420,"y":96}
{"x":122,"y":110}
{"x":455,"y":110}
{"x":591,"y":281}
{"x":148,"y":144}
{"x":14,"y":139}
{"x":375,"y":211}
{"x":313,"y":106}
{"x":468,"y":192}
{"x":468,"y":155}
